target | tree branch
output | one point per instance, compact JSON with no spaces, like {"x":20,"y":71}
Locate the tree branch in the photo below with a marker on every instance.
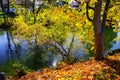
{"x":62,"y":48}
{"x":75,"y":59}
{"x":105,"y":14}
{"x":62,"y":52}
{"x":71,"y":44}
{"x":90,"y":7}
{"x":87,"y":13}
{"x":58,"y":50}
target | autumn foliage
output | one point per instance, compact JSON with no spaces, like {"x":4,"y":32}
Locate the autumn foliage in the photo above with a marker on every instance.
{"x":107,"y":69}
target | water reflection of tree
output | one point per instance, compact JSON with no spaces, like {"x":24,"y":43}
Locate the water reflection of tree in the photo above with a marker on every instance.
{"x":9,"y":44}
{"x":13,"y":51}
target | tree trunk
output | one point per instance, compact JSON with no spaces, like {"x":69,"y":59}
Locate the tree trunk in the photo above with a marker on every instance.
{"x":98,"y":31}
{"x":33,"y":6}
{"x":99,"y":24}
{"x":8,"y":6}
{"x":1,"y":3}
{"x":34,"y":11}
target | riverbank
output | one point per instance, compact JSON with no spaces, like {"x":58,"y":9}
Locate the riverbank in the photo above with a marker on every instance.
{"x":107,"y":69}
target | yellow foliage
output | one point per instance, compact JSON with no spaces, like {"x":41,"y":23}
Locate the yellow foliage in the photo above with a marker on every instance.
{"x":54,"y":23}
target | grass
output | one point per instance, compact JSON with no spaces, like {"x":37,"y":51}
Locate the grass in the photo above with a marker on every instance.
{"x":10,"y":68}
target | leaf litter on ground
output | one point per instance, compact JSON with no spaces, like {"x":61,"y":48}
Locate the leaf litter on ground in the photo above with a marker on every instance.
{"x":107,"y":69}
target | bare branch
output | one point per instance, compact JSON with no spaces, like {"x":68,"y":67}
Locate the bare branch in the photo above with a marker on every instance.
{"x":57,"y":49}
{"x":71,"y":45}
{"x":62,"y":48}
{"x":75,"y":59}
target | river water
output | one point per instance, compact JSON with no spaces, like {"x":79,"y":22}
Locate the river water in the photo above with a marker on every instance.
{"x":3,"y":47}
{"x":116,"y":45}
{"x":8,"y":49}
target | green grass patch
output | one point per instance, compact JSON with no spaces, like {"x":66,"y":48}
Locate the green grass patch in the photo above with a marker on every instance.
{"x":10,"y":68}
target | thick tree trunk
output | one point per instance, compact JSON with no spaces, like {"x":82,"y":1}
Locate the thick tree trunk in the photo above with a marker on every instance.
{"x":99,"y":24}
{"x":98,"y":31}
{"x":99,"y":46}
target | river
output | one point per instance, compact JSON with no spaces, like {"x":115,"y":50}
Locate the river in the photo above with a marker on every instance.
{"x":116,"y":45}
{"x":10,"y":49}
